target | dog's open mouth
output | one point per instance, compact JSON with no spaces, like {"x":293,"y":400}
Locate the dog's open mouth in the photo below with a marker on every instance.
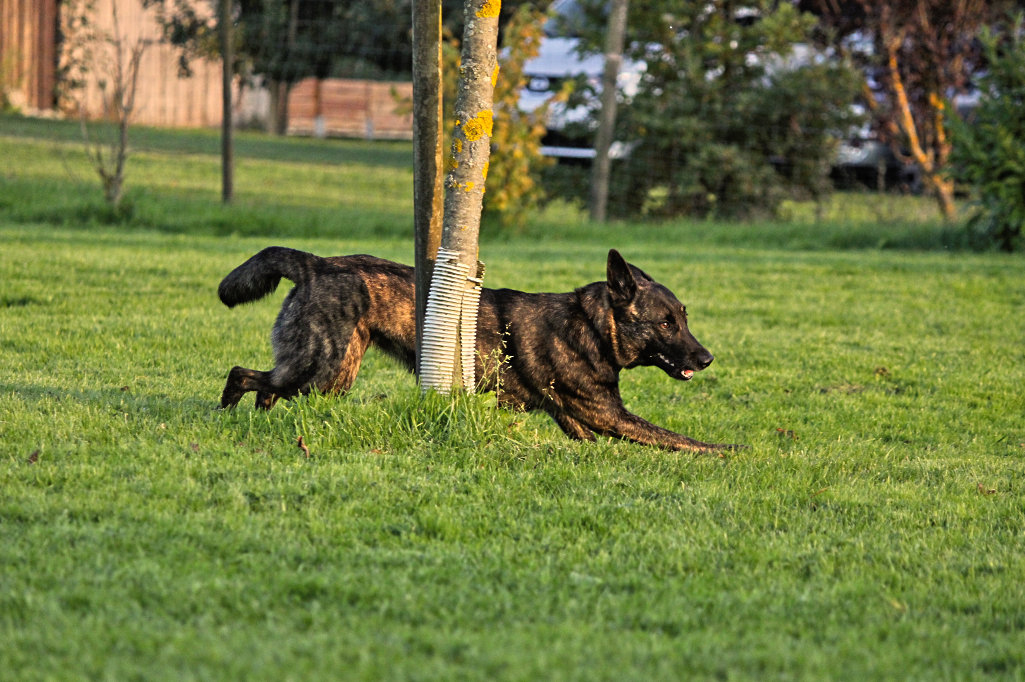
{"x":672,"y":370}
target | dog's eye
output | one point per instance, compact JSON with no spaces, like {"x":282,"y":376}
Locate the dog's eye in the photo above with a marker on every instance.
{"x":666,"y":324}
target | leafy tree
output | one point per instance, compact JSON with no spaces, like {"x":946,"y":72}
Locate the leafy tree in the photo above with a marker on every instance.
{"x":921,"y":55}
{"x":722,"y":104}
{"x":988,"y":153}
{"x":288,"y":40}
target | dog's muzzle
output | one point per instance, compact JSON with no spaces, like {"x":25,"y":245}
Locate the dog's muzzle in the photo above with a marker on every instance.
{"x":682,"y":373}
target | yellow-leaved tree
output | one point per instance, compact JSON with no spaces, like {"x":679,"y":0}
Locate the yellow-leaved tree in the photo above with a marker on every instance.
{"x":513,"y":188}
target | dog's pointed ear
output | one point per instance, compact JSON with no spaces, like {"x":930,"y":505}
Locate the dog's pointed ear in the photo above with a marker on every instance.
{"x":621,"y":282}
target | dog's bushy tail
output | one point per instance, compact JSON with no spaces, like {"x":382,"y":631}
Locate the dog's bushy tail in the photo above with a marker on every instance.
{"x":261,"y":274}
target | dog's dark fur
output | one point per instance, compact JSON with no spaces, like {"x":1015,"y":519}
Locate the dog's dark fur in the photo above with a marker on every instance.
{"x":561,"y":353}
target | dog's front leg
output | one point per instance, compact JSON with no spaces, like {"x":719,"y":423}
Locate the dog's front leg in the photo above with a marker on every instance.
{"x":573,"y":428}
{"x":623,"y":424}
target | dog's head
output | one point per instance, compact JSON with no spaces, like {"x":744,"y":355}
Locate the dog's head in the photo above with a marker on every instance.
{"x":650,"y":323}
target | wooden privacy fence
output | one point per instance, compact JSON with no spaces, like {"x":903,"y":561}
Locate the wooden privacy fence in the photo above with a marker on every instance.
{"x":28,"y":53}
{"x":162,"y":98}
{"x":29,"y":60}
{"x":29,"y":65}
{"x":351,"y":108}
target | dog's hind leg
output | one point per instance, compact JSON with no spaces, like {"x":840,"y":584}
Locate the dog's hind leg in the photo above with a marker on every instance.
{"x":280,"y":382}
{"x":241,"y":381}
{"x":265,"y":401}
{"x":348,"y":368}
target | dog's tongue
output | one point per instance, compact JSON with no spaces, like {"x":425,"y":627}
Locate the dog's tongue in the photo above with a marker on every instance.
{"x":687,"y":373}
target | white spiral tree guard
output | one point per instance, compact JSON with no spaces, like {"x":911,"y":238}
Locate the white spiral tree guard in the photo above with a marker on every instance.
{"x":450,"y":322}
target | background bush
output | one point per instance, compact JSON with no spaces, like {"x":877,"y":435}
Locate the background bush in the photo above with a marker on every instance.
{"x":721,"y":104}
{"x":513,"y":188}
{"x":988,"y":151}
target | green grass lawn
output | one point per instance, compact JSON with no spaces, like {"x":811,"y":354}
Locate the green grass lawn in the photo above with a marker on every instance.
{"x":875,"y":529}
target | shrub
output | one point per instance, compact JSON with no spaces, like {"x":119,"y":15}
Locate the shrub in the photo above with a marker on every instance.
{"x":988,"y":152}
{"x":721,"y":104}
{"x":513,"y":187}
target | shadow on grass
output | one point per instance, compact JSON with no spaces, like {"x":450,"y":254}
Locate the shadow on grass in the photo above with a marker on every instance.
{"x":155,"y":406}
{"x":72,"y":205}
{"x":847,"y":221}
{"x":248,"y":145}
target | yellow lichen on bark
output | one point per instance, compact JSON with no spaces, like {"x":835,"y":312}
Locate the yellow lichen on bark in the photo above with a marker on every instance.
{"x":478,"y":126}
{"x":473,"y":130}
{"x":490,"y":9}
{"x":494,"y":75}
{"x":487,"y":118}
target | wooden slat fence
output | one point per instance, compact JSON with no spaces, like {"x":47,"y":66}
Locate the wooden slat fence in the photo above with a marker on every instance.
{"x":333,"y":107}
{"x":350,"y":108}
{"x":28,"y":53}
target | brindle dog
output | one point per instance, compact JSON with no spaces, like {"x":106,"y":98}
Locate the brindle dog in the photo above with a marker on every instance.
{"x":560,"y":353}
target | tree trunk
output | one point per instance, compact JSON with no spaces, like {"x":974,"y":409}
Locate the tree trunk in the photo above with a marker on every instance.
{"x":277,"y":124}
{"x":607,"y":121}
{"x":464,"y":194}
{"x":227,"y":127}
{"x":932,"y":160}
{"x":943,"y":187}
{"x":428,"y":192}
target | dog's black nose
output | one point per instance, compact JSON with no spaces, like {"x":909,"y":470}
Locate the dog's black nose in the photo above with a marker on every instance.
{"x":705,"y":359}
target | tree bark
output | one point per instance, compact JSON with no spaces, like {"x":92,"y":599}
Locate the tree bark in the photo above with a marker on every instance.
{"x":614,"y":39}
{"x":471,"y":138}
{"x":277,"y":124}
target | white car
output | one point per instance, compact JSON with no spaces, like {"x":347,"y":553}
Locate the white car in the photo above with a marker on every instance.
{"x":558,"y":61}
